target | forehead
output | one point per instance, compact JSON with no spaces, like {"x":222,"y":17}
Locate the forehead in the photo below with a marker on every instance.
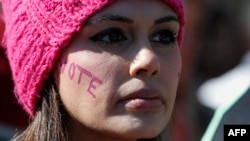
{"x":137,"y":8}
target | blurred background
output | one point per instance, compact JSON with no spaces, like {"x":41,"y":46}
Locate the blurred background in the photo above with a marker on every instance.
{"x":216,"y":42}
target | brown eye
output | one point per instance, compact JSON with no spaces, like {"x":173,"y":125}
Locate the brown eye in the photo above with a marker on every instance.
{"x":163,"y":37}
{"x":109,"y":36}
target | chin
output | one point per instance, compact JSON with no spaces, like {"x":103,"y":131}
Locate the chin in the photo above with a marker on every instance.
{"x":145,"y":131}
{"x":138,"y":126}
{"x":143,"y":134}
{"x":148,"y":134}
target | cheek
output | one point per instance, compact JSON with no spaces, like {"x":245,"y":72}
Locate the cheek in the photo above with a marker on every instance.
{"x":171,"y":67}
{"x":171,"y":71}
{"x":73,"y":77}
{"x":179,"y":74}
{"x":178,"y":65}
{"x":79,"y":89}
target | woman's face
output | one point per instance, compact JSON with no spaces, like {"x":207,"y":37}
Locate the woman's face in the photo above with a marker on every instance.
{"x":118,"y":77}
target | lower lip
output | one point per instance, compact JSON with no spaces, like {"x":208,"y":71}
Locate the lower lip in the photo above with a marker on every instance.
{"x":139,"y":104}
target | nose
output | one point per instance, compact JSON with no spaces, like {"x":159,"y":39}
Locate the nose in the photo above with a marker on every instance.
{"x":145,"y":63}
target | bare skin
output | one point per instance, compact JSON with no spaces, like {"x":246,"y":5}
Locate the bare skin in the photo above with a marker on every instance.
{"x":118,"y":78}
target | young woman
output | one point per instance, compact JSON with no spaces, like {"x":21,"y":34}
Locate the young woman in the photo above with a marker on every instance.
{"x":94,"y":70}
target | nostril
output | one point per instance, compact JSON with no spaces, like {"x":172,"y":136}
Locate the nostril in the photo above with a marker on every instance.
{"x":144,"y":71}
{"x":155,"y":73}
{"x":141,"y":71}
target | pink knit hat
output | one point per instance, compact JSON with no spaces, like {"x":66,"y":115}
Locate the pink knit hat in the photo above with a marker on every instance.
{"x":36,"y":33}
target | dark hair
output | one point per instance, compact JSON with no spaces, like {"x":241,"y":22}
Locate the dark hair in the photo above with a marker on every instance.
{"x":49,"y":123}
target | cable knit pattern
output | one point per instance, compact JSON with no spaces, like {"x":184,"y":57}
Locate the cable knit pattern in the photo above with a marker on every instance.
{"x":36,"y":33}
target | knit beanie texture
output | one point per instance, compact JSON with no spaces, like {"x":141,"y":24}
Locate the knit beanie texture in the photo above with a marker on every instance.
{"x":37,"y":31}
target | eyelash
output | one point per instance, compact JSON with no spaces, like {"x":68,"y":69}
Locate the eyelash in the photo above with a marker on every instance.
{"x":165,"y":36}
{"x":115,"y":36}
{"x":109,"y":36}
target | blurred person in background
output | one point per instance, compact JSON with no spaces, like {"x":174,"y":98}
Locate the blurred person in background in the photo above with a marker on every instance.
{"x":215,"y":42}
{"x":235,"y":82}
{"x":230,"y":93}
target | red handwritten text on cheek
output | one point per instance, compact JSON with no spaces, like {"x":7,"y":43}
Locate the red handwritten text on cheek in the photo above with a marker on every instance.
{"x":73,"y":67}
{"x":91,"y":85}
{"x":72,"y":71}
{"x":83,"y":71}
{"x":63,"y":65}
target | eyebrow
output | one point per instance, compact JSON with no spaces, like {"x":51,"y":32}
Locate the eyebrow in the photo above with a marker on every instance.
{"x":166,"y":19}
{"x":123,"y":19}
{"x":116,"y":18}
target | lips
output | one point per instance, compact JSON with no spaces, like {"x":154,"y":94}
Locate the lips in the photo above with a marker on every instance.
{"x":143,"y":100}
